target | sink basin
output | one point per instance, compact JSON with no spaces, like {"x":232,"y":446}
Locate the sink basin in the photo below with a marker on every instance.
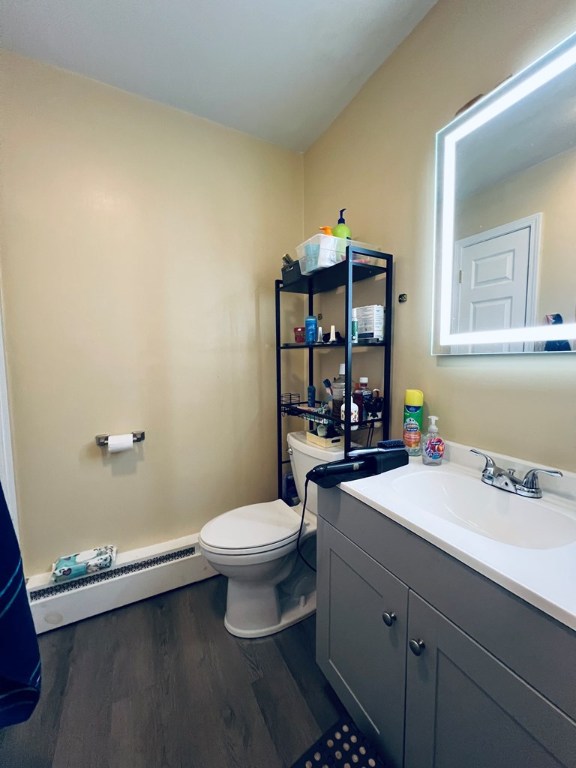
{"x":527,"y":546}
{"x":466,"y":501}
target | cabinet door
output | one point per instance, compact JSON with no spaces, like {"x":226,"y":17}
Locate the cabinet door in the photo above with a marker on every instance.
{"x":465,"y":708}
{"x":361,"y":638}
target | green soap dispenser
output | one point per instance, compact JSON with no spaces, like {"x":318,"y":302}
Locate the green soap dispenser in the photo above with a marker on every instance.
{"x":342,"y":229}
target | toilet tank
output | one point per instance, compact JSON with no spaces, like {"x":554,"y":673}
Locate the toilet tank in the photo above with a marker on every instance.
{"x":304,"y":456}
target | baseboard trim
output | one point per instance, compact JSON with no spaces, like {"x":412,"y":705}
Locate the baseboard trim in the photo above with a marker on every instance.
{"x":136,"y":575}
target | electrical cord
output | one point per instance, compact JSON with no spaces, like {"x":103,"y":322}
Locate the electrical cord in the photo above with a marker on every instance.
{"x":298,"y":549}
{"x":361,"y":463}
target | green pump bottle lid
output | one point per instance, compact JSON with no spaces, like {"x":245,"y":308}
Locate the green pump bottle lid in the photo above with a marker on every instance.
{"x":342,"y":229}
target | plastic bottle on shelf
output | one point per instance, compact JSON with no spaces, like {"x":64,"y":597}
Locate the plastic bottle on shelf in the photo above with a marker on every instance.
{"x":354,"y":327}
{"x":342,"y":229}
{"x":311,"y":396}
{"x":354,"y":412}
{"x":376,"y":407}
{"x":341,"y":375}
{"x":338,"y":388}
{"x":362,"y":397}
{"x":311,"y":329}
{"x":358,"y":398}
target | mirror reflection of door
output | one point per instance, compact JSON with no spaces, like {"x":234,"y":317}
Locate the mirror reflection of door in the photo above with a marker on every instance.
{"x":495,"y":282}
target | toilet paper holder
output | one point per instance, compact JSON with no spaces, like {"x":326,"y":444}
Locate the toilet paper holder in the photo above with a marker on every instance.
{"x":102,"y":440}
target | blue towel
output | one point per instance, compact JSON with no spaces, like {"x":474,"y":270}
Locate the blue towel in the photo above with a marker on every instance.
{"x":19,"y":654}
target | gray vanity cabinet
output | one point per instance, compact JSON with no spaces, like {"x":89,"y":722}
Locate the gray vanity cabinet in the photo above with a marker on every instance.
{"x":362,"y":640}
{"x":465,"y":708}
{"x":464,"y":674}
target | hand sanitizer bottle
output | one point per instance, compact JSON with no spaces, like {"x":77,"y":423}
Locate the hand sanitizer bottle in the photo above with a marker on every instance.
{"x":432,"y":445}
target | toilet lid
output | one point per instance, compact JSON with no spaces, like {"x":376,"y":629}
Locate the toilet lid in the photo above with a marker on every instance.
{"x":254,"y":528}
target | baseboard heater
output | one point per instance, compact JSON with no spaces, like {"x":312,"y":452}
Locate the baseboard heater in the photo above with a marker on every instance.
{"x":136,"y":575}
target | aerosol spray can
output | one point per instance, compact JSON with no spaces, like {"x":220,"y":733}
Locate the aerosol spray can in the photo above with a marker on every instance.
{"x":412,"y":431}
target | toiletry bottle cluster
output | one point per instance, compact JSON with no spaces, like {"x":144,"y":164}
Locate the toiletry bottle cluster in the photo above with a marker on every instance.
{"x":312,"y":333}
{"x":367,"y":324}
{"x":429,"y":445}
{"x":365,"y":404}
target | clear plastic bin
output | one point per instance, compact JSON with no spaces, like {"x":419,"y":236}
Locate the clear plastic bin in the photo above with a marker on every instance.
{"x":319,"y":252}
{"x":360,"y":258}
{"x":322,"y":251}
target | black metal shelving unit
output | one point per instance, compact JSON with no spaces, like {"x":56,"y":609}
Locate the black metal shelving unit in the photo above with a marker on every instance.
{"x":346,"y":273}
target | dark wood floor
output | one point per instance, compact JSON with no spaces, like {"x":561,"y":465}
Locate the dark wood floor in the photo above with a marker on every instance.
{"x":161,"y":684}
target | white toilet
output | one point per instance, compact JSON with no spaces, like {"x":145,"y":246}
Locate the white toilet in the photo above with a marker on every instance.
{"x":269,"y":586}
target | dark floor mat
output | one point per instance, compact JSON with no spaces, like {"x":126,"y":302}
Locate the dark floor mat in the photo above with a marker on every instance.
{"x":342,"y":746}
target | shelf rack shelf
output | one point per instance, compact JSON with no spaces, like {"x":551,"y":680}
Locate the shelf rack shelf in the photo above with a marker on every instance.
{"x":344,"y":274}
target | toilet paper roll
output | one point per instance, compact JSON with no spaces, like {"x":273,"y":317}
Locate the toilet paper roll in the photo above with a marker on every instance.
{"x":119,"y":443}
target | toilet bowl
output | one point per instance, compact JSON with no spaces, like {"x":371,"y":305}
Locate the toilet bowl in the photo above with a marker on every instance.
{"x":270,"y":587}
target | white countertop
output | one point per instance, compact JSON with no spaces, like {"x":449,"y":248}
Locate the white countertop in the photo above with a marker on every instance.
{"x":543,"y":573}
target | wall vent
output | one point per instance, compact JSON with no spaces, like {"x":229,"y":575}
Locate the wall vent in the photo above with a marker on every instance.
{"x":137,"y":575}
{"x":111,"y":573}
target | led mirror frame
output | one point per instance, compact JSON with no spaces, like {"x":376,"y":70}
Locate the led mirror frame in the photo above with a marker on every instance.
{"x":538,"y":74}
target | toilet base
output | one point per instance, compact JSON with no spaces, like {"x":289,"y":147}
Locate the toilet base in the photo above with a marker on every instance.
{"x":260,"y":608}
{"x":291,"y":611}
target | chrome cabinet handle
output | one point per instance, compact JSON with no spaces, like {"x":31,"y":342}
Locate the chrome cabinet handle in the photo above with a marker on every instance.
{"x":417,"y":646}
{"x":389,"y":618}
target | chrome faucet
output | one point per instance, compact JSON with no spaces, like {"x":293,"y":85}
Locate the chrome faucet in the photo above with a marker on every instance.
{"x":506,"y":480}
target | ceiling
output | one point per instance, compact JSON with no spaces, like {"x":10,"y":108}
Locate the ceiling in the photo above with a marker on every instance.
{"x":280,"y":70}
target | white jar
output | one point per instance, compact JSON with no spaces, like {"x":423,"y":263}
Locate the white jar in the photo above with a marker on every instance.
{"x":354,"y":413}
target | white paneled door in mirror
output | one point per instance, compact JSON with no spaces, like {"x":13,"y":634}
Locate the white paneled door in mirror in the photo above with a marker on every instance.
{"x":513,"y":153}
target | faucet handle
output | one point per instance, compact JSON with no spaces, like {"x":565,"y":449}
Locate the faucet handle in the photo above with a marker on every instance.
{"x":531,"y":478}
{"x":489,"y":460}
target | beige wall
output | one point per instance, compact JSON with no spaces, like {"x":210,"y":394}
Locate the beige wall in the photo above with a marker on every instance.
{"x":139,"y":250}
{"x":377,"y":159}
{"x":139,"y":246}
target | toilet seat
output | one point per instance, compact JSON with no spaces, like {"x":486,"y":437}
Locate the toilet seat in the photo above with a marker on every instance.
{"x":251,"y":529}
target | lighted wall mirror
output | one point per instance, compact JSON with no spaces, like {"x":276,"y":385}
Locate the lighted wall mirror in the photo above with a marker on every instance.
{"x":505,"y":256}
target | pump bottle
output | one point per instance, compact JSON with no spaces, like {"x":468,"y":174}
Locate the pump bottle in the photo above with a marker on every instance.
{"x":341,"y":229}
{"x":433,"y":445}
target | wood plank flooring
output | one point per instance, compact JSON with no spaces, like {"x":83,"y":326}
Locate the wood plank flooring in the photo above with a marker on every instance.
{"x":161,"y":684}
